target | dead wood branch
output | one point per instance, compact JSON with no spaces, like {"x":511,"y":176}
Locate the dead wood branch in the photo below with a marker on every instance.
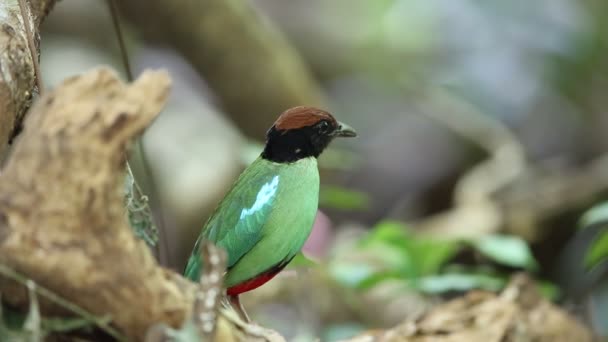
{"x":17,"y":77}
{"x":62,"y":216}
{"x":506,"y":192}
{"x":519,"y":313}
{"x":250,"y":66}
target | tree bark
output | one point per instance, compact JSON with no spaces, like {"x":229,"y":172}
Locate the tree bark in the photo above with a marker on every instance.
{"x":17,"y":77}
{"x":62,"y":219}
{"x":250,"y":66}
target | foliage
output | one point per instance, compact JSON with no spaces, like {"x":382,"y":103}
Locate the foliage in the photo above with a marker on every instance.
{"x":301,"y":260}
{"x":343,"y":199}
{"x":597,"y":218}
{"x":506,"y":250}
{"x":426,"y":264}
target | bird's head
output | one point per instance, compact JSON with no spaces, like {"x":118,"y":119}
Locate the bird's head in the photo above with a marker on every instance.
{"x":302,"y":132}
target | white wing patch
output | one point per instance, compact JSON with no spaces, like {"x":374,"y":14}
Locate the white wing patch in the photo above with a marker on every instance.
{"x":266,"y":193}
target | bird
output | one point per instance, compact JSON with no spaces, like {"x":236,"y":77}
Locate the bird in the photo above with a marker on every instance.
{"x":266,"y":217}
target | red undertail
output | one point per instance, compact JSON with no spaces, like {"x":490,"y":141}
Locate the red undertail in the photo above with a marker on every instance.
{"x":252,"y":283}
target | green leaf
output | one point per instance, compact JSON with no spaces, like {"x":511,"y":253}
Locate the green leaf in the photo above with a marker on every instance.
{"x":595,"y":215}
{"x":301,"y":260}
{"x":389,"y":232}
{"x":437,"y":284}
{"x":506,"y":250}
{"x":377,"y":278}
{"x":549,"y":290}
{"x":343,"y":199}
{"x":349,"y":274}
{"x":431,"y":255}
{"x":388,"y":242}
{"x":598,"y":252}
{"x":407,"y":253}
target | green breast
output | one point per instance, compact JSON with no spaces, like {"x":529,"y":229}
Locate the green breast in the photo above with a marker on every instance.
{"x":265,"y":219}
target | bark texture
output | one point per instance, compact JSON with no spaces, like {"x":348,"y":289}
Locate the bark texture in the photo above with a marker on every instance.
{"x":249,"y":65}
{"x":62,"y":220}
{"x":17,"y":79}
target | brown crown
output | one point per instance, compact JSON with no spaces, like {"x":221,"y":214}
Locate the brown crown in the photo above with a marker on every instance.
{"x":302,"y":116}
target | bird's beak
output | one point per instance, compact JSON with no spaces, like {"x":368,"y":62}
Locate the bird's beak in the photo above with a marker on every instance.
{"x":344,"y":130}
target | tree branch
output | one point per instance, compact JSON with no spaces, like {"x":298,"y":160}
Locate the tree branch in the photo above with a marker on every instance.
{"x":250,"y":66}
{"x":518,"y":313}
{"x":17,"y":77}
{"x":62,"y":220}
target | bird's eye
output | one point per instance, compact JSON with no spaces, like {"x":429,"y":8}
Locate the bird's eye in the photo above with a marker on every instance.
{"x":323,"y":127}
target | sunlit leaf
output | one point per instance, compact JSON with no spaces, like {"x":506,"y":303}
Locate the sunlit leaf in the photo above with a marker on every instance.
{"x":379,"y":277}
{"x":350,"y":274}
{"x":388,"y":242}
{"x":410,"y":254}
{"x":342,"y":198}
{"x":597,"y":214}
{"x":596,"y":217}
{"x":549,"y":290}
{"x":390,"y":232}
{"x":392,"y":258}
{"x":598,"y":252}
{"x":436,"y":284}
{"x":301,"y":260}
{"x":506,"y":250}
{"x":431,"y":255}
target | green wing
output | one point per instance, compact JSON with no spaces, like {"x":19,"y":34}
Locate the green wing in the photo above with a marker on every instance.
{"x":236,"y":225}
{"x":264,"y":220}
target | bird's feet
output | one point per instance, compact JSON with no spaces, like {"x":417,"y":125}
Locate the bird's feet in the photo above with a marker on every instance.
{"x":235,"y":302}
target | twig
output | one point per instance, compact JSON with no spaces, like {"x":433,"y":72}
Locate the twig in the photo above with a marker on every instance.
{"x":99,"y":322}
{"x":121,"y":41}
{"x":210,"y":291}
{"x":32,"y":322}
{"x":507,"y":157}
{"x":271,"y":78}
{"x":162,"y":244}
{"x":31,"y":46}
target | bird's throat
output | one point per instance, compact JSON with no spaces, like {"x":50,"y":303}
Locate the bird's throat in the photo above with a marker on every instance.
{"x":293,"y":145}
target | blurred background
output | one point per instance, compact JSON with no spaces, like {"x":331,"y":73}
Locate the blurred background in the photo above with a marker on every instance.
{"x":483,"y":131}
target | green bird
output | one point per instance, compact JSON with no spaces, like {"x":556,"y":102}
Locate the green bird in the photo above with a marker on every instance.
{"x":267,"y":215}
